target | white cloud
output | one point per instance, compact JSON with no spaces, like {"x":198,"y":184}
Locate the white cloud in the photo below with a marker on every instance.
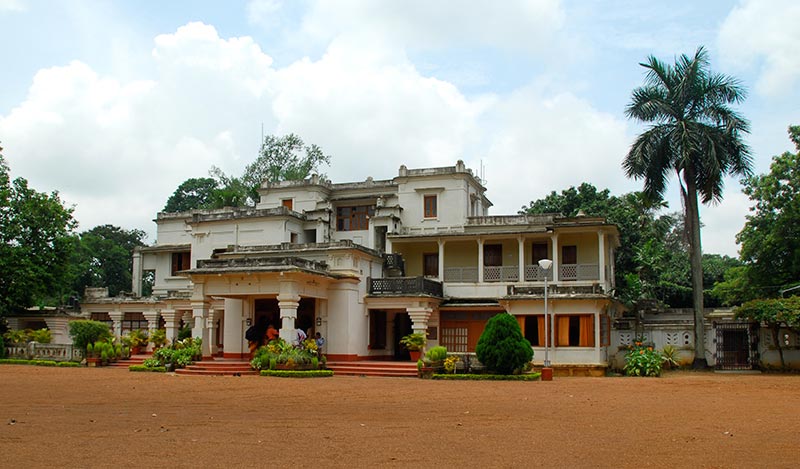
{"x":764,"y":35}
{"x":11,"y":5}
{"x":544,"y":142}
{"x":722,"y":222}
{"x":520,"y":25}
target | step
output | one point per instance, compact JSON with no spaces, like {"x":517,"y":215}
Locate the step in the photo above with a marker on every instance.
{"x":218,"y":372}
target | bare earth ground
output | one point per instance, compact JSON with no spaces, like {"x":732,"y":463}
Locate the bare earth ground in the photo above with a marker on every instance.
{"x":114,"y":418}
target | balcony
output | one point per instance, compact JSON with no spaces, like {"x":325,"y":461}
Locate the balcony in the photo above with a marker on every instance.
{"x":510,"y":273}
{"x":405,"y":286}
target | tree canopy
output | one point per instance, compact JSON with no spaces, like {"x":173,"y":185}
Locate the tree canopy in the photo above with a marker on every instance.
{"x":103,"y":257}
{"x":283,"y":158}
{"x":35,"y":244}
{"x":193,"y":193}
{"x":770,"y":239}
{"x":695,"y":133}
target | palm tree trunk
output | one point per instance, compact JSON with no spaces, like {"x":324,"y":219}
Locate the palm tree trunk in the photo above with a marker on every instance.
{"x":696,"y":258}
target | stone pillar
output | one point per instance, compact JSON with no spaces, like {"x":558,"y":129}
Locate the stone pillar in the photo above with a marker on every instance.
{"x":152,"y":324}
{"x":136,"y":274}
{"x":116,"y":317}
{"x":200,"y":329}
{"x":556,"y":262}
{"x":480,"y":261}
{"x":59,"y":330}
{"x":172,"y":319}
{"x":601,"y":258}
{"x":288,"y":305}
{"x":521,"y":257}
{"x":233,"y":334}
{"x":441,"y":260}
{"x":211,"y":323}
{"x":419,"y":319}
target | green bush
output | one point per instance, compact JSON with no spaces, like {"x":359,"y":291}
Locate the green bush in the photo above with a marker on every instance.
{"x":42,"y":336}
{"x":436,"y":354}
{"x":2,"y":348}
{"x":185,"y":332}
{"x":157,"y":369}
{"x":501,"y":348}
{"x":473,"y":377}
{"x":298,"y":374}
{"x":85,"y":332}
{"x":643,"y":360}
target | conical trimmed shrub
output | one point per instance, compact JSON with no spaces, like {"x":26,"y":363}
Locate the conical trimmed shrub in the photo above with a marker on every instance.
{"x":501,"y":348}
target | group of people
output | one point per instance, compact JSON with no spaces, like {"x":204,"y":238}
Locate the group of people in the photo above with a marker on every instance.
{"x":263,"y":332}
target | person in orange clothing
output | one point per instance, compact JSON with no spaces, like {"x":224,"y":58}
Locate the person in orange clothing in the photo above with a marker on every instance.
{"x":272,"y":333}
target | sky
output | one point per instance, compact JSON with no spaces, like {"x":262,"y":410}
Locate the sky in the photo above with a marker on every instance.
{"x":114,"y":103}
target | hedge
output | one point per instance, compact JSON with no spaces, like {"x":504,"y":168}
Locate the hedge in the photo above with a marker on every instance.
{"x":298,"y":374}
{"x":488,"y":377}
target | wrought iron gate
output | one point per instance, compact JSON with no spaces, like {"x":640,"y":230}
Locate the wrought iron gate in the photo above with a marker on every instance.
{"x":737,"y":345}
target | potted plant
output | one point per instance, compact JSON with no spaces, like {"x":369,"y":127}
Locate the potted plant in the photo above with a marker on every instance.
{"x":138,"y":339}
{"x":414,"y":343}
{"x":159,"y":338}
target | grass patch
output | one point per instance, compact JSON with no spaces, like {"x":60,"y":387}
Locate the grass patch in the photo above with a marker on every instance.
{"x":298,"y":374}
{"x":19,"y":361}
{"x":471,"y":377}
{"x":154,"y":369}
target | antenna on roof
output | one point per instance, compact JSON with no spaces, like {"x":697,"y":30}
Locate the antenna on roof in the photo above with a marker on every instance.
{"x":483,"y":173}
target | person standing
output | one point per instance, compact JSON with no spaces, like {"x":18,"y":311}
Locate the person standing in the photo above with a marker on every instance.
{"x":320,"y":342}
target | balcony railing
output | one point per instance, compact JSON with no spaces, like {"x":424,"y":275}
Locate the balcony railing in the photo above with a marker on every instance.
{"x":510,"y":273}
{"x":405,"y":286}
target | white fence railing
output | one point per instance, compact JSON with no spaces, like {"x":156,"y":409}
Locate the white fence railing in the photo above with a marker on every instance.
{"x":37,"y":351}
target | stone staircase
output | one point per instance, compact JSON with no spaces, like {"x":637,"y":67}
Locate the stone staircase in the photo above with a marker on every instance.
{"x":374,"y":368}
{"x":218,"y":367}
{"x":133,"y":360}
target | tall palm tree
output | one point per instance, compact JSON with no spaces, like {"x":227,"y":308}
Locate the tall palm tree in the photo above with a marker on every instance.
{"x":695,"y":133}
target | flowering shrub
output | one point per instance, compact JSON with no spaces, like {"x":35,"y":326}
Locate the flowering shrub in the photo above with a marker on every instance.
{"x":450,"y":363}
{"x":643,"y":360}
{"x":280,"y":352}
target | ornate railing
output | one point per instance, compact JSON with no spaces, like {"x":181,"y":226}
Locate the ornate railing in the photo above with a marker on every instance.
{"x":461,"y":274}
{"x":534,"y":273}
{"x":37,"y":351}
{"x":405,"y":286}
{"x":579,"y":272}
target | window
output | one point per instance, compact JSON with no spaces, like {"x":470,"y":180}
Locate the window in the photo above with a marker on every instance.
{"x":569,"y":255}
{"x":605,"y":330}
{"x":534,"y":330}
{"x":354,"y":218}
{"x":377,"y":330}
{"x":493,"y":255}
{"x":132,"y":322}
{"x":539,"y":251}
{"x":574,"y":330}
{"x":103,"y":317}
{"x":181,"y":261}
{"x":429,"y":203}
{"x":430,"y":264}
{"x":287,"y":203}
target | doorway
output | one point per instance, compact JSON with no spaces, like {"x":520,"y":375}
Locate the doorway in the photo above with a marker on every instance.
{"x":401,"y":327}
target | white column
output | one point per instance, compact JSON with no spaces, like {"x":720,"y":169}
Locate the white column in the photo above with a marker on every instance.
{"x":200,"y":329}
{"x":211,"y":324}
{"x":556,"y":262}
{"x":480,"y":260}
{"x":116,"y":317}
{"x":521,"y":256}
{"x":441,"y":260}
{"x":233,"y":334}
{"x":59,"y":330}
{"x":419,"y":318}
{"x":288,"y":301}
{"x":601,"y":254}
{"x":136,"y":274}
{"x":172,"y":319}
{"x":152,"y":324}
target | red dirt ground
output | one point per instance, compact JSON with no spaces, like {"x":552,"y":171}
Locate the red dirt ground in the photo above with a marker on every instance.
{"x":114,"y":418}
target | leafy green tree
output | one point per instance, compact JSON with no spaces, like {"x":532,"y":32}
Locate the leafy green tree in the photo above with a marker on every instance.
{"x":35,"y":245}
{"x":103,"y":257}
{"x":285,"y":158}
{"x":694,"y":133}
{"x":191,"y":194}
{"x":87,"y":332}
{"x":776,"y":314}
{"x":501,"y":347}
{"x":770,"y":239}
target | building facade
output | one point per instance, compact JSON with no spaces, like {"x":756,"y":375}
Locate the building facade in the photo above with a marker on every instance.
{"x":366,"y":263}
